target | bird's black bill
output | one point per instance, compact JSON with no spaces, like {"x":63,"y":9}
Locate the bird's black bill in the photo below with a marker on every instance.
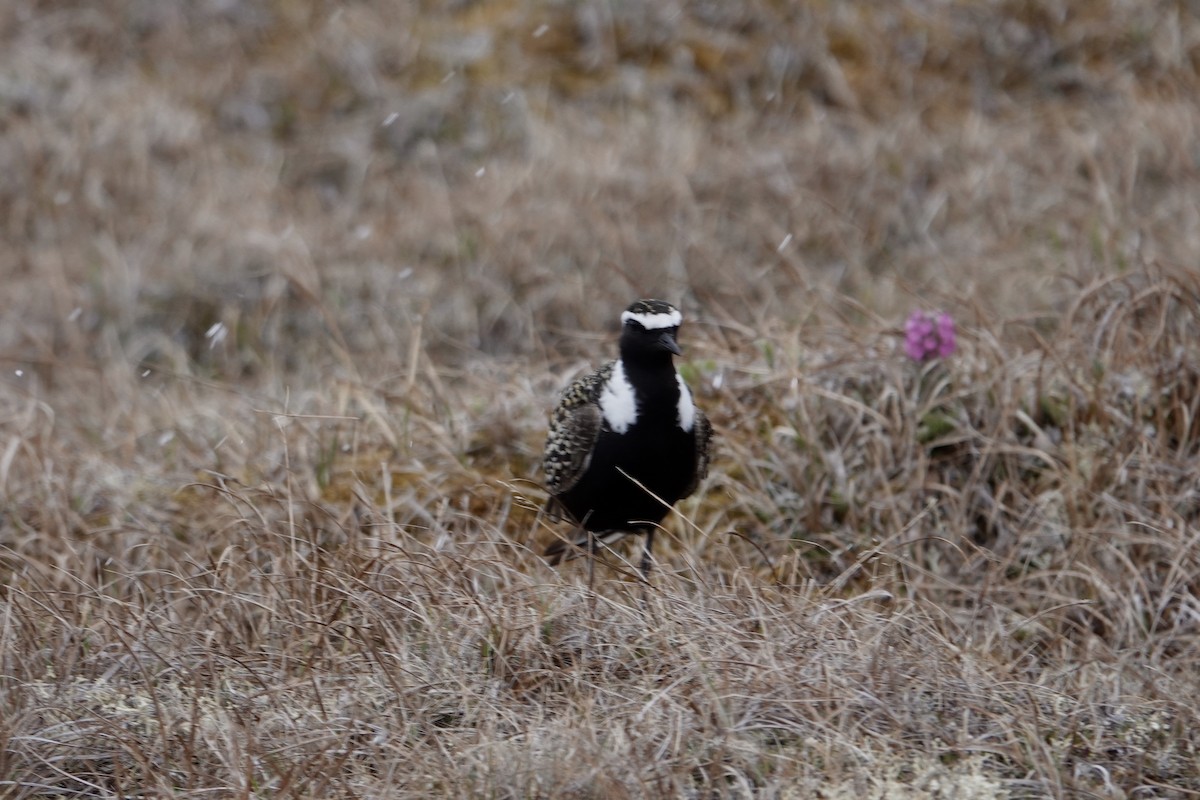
{"x":667,"y":340}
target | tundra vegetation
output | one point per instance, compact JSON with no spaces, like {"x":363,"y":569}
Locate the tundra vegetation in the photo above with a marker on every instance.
{"x":290,"y":287}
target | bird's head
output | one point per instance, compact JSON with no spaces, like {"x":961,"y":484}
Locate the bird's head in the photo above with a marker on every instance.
{"x":648,"y":330}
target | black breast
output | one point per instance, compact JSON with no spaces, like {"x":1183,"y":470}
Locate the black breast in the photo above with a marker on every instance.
{"x":654,"y":452}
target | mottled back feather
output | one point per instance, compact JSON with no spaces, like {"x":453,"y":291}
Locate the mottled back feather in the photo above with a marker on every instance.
{"x":574,"y":427}
{"x":703,"y":452}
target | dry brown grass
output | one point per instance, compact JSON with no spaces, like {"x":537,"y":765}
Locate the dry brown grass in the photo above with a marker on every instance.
{"x":291,"y":288}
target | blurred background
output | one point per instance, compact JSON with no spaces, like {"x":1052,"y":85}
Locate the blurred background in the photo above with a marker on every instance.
{"x":249,"y":188}
{"x":290,"y":286}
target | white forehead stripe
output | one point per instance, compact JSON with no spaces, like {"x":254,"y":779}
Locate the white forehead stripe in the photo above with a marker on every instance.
{"x":618,"y":403}
{"x":687,"y":409}
{"x":654,"y":322}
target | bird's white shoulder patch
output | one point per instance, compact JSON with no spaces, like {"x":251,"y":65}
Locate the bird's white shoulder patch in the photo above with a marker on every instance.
{"x":654,"y":322}
{"x":618,"y":403}
{"x":687,"y":409}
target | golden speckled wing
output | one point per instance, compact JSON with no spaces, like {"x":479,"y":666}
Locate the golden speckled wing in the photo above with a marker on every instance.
{"x":574,"y":427}
{"x":703,"y":452}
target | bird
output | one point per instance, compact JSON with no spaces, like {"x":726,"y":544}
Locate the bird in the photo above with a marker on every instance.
{"x":626,"y":442}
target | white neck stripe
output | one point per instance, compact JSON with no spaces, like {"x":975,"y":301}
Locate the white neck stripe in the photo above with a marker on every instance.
{"x":618,"y":401}
{"x":687,"y":409}
{"x":654,"y":322}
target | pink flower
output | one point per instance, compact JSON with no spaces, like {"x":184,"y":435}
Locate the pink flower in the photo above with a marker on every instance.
{"x":928,"y":335}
